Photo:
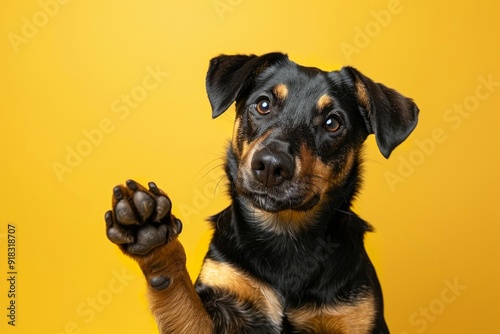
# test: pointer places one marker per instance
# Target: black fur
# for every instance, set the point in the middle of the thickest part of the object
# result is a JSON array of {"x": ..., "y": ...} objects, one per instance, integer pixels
[{"x": 230, "y": 315}]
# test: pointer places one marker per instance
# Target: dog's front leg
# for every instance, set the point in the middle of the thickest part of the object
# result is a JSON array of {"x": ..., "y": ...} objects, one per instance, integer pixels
[{"x": 142, "y": 225}]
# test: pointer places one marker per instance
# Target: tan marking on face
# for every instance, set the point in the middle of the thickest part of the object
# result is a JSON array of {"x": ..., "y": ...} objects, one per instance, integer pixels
[
  {"x": 311, "y": 168},
  {"x": 244, "y": 149},
  {"x": 347, "y": 166},
  {"x": 236, "y": 130},
  {"x": 224, "y": 276},
  {"x": 324, "y": 101},
  {"x": 281, "y": 91},
  {"x": 247, "y": 152},
  {"x": 363, "y": 97},
  {"x": 247, "y": 148},
  {"x": 357, "y": 318},
  {"x": 320, "y": 174}
]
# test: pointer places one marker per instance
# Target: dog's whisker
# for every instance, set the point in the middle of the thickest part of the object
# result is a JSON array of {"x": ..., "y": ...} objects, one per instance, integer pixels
[
  {"x": 377, "y": 162},
  {"x": 218, "y": 183},
  {"x": 346, "y": 212},
  {"x": 210, "y": 171},
  {"x": 219, "y": 159},
  {"x": 314, "y": 185},
  {"x": 322, "y": 178},
  {"x": 228, "y": 117}
]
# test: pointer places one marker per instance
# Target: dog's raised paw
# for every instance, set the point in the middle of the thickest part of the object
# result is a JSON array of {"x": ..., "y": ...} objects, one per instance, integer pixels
[{"x": 141, "y": 218}]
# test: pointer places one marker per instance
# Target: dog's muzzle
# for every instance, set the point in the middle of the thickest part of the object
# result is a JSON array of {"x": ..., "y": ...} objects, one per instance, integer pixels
[{"x": 270, "y": 181}]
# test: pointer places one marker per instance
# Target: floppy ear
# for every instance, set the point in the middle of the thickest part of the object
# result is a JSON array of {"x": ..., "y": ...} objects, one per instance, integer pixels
[
  {"x": 229, "y": 76},
  {"x": 388, "y": 114}
]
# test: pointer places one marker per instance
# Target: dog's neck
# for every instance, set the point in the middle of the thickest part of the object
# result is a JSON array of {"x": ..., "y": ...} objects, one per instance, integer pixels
[{"x": 290, "y": 222}]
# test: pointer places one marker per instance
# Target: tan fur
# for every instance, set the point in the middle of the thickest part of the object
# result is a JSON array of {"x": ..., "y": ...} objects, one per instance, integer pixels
[
  {"x": 345, "y": 319},
  {"x": 346, "y": 167},
  {"x": 245, "y": 148},
  {"x": 234, "y": 141},
  {"x": 226, "y": 277},
  {"x": 281, "y": 91},
  {"x": 324, "y": 102},
  {"x": 363, "y": 98},
  {"x": 310, "y": 167},
  {"x": 178, "y": 308},
  {"x": 284, "y": 222},
  {"x": 248, "y": 151}
]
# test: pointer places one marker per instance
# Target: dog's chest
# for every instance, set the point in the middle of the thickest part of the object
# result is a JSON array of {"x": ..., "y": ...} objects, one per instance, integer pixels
[
  {"x": 354, "y": 318},
  {"x": 261, "y": 298}
]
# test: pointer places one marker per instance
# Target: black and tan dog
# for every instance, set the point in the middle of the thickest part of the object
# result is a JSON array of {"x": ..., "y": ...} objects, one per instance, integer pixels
[{"x": 287, "y": 255}]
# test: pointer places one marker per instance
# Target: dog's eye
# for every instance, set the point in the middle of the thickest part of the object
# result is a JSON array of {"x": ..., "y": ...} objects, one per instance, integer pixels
[
  {"x": 263, "y": 106},
  {"x": 332, "y": 124}
]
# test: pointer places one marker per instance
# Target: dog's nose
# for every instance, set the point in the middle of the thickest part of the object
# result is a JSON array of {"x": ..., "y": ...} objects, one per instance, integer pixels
[{"x": 271, "y": 167}]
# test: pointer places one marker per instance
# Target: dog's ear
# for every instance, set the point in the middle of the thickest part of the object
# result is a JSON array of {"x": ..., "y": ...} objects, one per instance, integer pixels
[
  {"x": 388, "y": 114},
  {"x": 229, "y": 76}
]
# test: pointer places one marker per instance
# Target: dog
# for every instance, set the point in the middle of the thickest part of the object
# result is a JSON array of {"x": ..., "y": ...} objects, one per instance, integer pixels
[{"x": 287, "y": 255}]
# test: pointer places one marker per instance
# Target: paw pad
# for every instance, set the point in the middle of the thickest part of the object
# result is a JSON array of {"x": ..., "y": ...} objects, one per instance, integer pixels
[
  {"x": 159, "y": 282},
  {"x": 141, "y": 218}
]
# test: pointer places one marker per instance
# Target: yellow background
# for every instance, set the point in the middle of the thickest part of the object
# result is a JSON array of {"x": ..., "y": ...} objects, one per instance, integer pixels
[{"x": 437, "y": 225}]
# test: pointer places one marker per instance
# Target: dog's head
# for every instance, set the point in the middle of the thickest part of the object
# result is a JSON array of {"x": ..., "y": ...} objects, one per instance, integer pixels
[{"x": 299, "y": 130}]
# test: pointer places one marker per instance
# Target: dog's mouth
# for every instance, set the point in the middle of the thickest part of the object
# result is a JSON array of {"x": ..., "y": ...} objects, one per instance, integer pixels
[{"x": 288, "y": 197}]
